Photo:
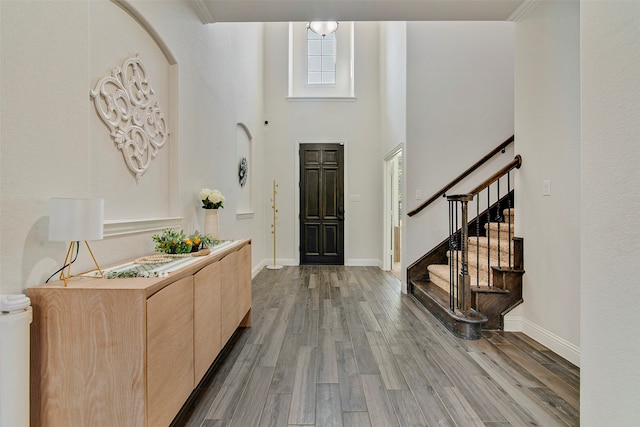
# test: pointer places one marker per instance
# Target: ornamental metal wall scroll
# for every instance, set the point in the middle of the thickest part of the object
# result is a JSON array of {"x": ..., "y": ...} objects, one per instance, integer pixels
[
  {"x": 243, "y": 172},
  {"x": 127, "y": 104}
]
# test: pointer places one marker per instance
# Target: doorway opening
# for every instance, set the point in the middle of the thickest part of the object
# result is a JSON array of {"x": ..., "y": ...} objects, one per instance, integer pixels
[{"x": 393, "y": 213}]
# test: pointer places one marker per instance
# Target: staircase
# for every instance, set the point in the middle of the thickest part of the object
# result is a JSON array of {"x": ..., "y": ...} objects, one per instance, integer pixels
[
  {"x": 472, "y": 279},
  {"x": 495, "y": 281}
]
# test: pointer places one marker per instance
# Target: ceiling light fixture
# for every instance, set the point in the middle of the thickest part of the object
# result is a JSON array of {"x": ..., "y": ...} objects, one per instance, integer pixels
[{"x": 323, "y": 28}]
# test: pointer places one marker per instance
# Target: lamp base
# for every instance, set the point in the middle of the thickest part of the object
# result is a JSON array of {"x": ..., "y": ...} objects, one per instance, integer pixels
[
  {"x": 65, "y": 274},
  {"x": 274, "y": 267}
]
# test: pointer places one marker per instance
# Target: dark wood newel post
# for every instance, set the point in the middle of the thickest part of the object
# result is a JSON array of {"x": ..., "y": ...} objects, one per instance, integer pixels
[{"x": 464, "y": 281}]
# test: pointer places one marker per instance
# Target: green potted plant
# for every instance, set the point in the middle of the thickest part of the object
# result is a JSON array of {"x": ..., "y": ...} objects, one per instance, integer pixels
[{"x": 172, "y": 242}]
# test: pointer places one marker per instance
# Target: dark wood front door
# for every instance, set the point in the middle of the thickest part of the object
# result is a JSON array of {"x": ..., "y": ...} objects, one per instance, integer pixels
[{"x": 322, "y": 204}]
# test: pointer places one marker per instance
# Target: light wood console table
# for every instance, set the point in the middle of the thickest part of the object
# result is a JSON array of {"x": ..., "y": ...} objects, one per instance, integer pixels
[{"x": 129, "y": 352}]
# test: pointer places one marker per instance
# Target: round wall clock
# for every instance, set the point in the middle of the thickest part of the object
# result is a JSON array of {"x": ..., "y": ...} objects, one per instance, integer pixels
[{"x": 243, "y": 171}]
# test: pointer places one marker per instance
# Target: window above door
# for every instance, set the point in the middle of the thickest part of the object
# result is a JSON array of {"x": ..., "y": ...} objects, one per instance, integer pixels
[{"x": 321, "y": 67}]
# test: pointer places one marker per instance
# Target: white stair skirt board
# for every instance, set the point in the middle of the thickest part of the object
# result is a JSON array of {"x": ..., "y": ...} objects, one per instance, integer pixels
[{"x": 555, "y": 343}]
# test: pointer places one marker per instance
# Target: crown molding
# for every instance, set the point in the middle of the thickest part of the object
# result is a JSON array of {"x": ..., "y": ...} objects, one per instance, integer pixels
[
  {"x": 524, "y": 10},
  {"x": 202, "y": 11}
]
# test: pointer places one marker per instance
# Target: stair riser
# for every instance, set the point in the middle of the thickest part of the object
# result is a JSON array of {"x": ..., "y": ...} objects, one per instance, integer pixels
[
  {"x": 504, "y": 237},
  {"x": 492, "y": 242},
  {"x": 442, "y": 280},
  {"x": 485, "y": 274},
  {"x": 482, "y": 256}
]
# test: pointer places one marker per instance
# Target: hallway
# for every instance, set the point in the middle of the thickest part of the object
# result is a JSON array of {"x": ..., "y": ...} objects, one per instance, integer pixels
[{"x": 342, "y": 346}]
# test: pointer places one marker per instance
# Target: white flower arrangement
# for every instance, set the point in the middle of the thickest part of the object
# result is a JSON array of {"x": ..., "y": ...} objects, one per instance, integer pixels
[{"x": 211, "y": 199}]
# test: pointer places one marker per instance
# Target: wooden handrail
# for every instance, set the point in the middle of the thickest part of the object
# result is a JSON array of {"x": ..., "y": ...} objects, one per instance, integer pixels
[
  {"x": 515, "y": 163},
  {"x": 462, "y": 176}
]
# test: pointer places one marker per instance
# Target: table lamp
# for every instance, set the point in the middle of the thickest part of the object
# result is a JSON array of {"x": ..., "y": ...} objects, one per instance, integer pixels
[{"x": 75, "y": 220}]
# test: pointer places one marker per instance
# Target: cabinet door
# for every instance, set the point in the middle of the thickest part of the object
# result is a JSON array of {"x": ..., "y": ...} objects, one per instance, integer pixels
[
  {"x": 206, "y": 318},
  {"x": 169, "y": 351},
  {"x": 229, "y": 295},
  {"x": 244, "y": 283}
]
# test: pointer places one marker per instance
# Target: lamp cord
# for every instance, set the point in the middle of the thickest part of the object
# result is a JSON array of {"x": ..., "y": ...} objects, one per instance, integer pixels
[{"x": 66, "y": 265}]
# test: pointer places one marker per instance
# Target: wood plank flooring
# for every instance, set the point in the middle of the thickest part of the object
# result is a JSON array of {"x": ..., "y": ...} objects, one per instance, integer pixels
[{"x": 341, "y": 346}]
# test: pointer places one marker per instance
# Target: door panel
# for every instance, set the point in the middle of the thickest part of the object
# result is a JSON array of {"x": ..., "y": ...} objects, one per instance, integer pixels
[{"x": 322, "y": 204}]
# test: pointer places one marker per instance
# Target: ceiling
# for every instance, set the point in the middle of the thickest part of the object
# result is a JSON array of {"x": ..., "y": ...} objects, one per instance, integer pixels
[{"x": 211, "y": 11}]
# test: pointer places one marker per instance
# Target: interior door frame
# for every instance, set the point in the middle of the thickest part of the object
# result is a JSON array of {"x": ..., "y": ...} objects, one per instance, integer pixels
[
  {"x": 297, "y": 145},
  {"x": 387, "y": 218}
]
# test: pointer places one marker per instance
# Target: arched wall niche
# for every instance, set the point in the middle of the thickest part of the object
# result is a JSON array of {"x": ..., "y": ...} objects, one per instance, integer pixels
[
  {"x": 149, "y": 203},
  {"x": 244, "y": 147}
]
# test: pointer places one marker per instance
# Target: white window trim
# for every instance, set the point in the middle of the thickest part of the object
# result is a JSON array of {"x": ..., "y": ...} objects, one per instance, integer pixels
[{"x": 298, "y": 88}]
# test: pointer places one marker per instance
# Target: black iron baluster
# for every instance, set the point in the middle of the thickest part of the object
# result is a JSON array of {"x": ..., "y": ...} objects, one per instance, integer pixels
[
  {"x": 488, "y": 226},
  {"x": 477, "y": 241},
  {"x": 451, "y": 246},
  {"x": 498, "y": 219},
  {"x": 509, "y": 206}
]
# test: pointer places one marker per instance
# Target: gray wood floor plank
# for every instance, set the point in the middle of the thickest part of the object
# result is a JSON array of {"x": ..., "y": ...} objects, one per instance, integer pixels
[
  {"x": 262, "y": 331},
  {"x": 356, "y": 419},
  {"x": 351, "y": 391},
  {"x": 561, "y": 388},
  {"x": 227, "y": 399},
  {"x": 335, "y": 345},
  {"x": 284, "y": 374},
  {"x": 391, "y": 375},
  {"x": 328, "y": 409},
  {"x": 513, "y": 413},
  {"x": 406, "y": 408},
  {"x": 522, "y": 395},
  {"x": 325, "y": 320},
  {"x": 367, "y": 317},
  {"x": 472, "y": 393},
  {"x": 303, "y": 397},
  {"x": 327, "y": 358},
  {"x": 339, "y": 325},
  {"x": 558, "y": 406},
  {"x": 310, "y": 330},
  {"x": 431, "y": 406},
  {"x": 460, "y": 410},
  {"x": 427, "y": 364},
  {"x": 501, "y": 361},
  {"x": 250, "y": 406},
  {"x": 276, "y": 410},
  {"x": 381, "y": 412},
  {"x": 367, "y": 363}
]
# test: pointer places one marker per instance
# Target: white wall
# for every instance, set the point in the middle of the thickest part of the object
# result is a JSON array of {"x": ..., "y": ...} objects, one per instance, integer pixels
[
  {"x": 610, "y": 240},
  {"x": 459, "y": 107},
  {"x": 50, "y": 52},
  {"x": 393, "y": 85},
  {"x": 547, "y": 124},
  {"x": 353, "y": 121}
]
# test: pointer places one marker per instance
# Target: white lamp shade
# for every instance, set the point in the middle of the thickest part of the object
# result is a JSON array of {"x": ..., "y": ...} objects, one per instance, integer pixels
[
  {"x": 74, "y": 220},
  {"x": 323, "y": 27}
]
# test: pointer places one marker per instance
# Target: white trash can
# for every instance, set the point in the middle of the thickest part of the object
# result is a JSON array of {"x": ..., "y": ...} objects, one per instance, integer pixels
[{"x": 15, "y": 318}]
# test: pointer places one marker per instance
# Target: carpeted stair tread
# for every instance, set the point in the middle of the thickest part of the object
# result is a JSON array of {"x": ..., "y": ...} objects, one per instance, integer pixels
[
  {"x": 502, "y": 226},
  {"x": 484, "y": 242}
]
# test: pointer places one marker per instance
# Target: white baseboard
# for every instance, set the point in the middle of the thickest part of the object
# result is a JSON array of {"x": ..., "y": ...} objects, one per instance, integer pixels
[
  {"x": 257, "y": 269},
  {"x": 269, "y": 261},
  {"x": 557, "y": 344},
  {"x": 357, "y": 262},
  {"x": 363, "y": 262}
]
